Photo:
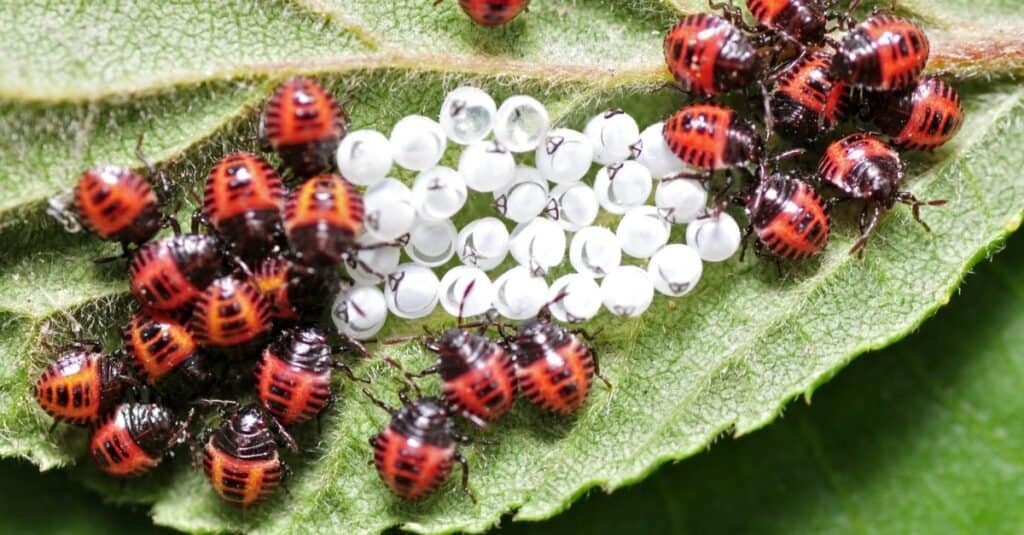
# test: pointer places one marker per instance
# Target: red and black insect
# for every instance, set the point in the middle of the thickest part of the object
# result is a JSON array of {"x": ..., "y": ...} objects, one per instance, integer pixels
[
  {"x": 554, "y": 367},
  {"x": 712, "y": 137},
  {"x": 293, "y": 377},
  {"x": 788, "y": 216},
  {"x": 862, "y": 166},
  {"x": 920, "y": 118},
  {"x": 807, "y": 101},
  {"x": 133, "y": 438},
  {"x": 492, "y": 12},
  {"x": 118, "y": 204},
  {"x": 230, "y": 313},
  {"x": 799, "y": 21},
  {"x": 882, "y": 53},
  {"x": 82, "y": 384},
  {"x": 159, "y": 346},
  {"x": 707, "y": 55},
  {"x": 241, "y": 458},
  {"x": 169, "y": 274},
  {"x": 293, "y": 291},
  {"x": 478, "y": 378},
  {"x": 303, "y": 124},
  {"x": 243, "y": 201},
  {"x": 415, "y": 453},
  {"x": 323, "y": 219}
]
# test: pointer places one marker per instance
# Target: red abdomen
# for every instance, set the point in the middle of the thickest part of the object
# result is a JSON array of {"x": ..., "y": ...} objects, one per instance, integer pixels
[
  {"x": 115, "y": 451},
  {"x": 493, "y": 12},
  {"x": 840, "y": 164},
  {"x": 560, "y": 380},
  {"x": 323, "y": 218},
  {"x": 411, "y": 471},
  {"x": 807, "y": 100},
  {"x": 117, "y": 204},
  {"x": 486, "y": 389},
  {"x": 157, "y": 344},
  {"x": 243, "y": 200},
  {"x": 303, "y": 124},
  {"x": 71, "y": 389},
  {"x": 704, "y": 136},
  {"x": 291, "y": 393},
  {"x": 169, "y": 274},
  {"x": 244, "y": 482},
  {"x": 707, "y": 55},
  {"x": 801, "y": 227},
  {"x": 884, "y": 52},
  {"x": 923, "y": 118},
  {"x": 802, "y": 20},
  {"x": 228, "y": 313}
]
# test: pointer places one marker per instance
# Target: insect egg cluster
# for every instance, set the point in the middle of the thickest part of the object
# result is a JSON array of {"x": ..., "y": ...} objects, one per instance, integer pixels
[{"x": 288, "y": 270}]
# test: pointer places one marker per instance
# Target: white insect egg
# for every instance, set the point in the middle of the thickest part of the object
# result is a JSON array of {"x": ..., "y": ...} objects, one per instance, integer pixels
[
  {"x": 627, "y": 291},
  {"x": 439, "y": 193},
  {"x": 654, "y": 154},
  {"x": 715, "y": 238},
  {"x": 519, "y": 294},
  {"x": 417, "y": 142},
  {"x": 411, "y": 291},
  {"x": 487, "y": 166},
  {"x": 467, "y": 115},
  {"x": 614, "y": 135},
  {"x": 594, "y": 251},
  {"x": 526, "y": 197},
  {"x": 467, "y": 290},
  {"x": 483, "y": 243},
  {"x": 364, "y": 157},
  {"x": 574, "y": 298},
  {"x": 675, "y": 269},
  {"x": 564, "y": 156},
  {"x": 389, "y": 209},
  {"x": 681, "y": 200},
  {"x": 360, "y": 312},
  {"x": 521, "y": 123},
  {"x": 622, "y": 185}
]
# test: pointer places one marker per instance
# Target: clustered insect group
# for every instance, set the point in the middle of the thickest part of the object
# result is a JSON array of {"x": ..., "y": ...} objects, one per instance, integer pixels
[
  {"x": 876, "y": 67},
  {"x": 204, "y": 313},
  {"x": 232, "y": 312}
]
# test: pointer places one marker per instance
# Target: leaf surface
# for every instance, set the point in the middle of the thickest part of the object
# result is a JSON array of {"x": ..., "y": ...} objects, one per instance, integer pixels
[{"x": 725, "y": 359}]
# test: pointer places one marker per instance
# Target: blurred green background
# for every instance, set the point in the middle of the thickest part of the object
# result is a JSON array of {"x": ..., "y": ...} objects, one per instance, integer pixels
[{"x": 924, "y": 436}]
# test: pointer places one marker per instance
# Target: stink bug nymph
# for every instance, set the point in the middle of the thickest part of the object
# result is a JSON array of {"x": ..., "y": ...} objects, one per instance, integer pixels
[
  {"x": 862, "y": 166},
  {"x": 303, "y": 124},
  {"x": 82, "y": 384},
  {"x": 415, "y": 453},
  {"x": 133, "y": 438},
  {"x": 707, "y": 55}
]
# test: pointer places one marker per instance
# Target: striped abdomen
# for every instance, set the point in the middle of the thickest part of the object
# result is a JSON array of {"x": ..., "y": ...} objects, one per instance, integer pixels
[
  {"x": 80, "y": 386},
  {"x": 922, "y": 118},
  {"x": 303, "y": 124},
  {"x": 243, "y": 200},
  {"x": 169, "y": 274},
  {"x": 411, "y": 471},
  {"x": 293, "y": 394},
  {"x": 707, "y": 55},
  {"x": 117, "y": 204},
  {"x": 485, "y": 387},
  {"x": 323, "y": 218},
  {"x": 244, "y": 482},
  {"x": 790, "y": 219},
  {"x": 709, "y": 137},
  {"x": 157, "y": 344},
  {"x": 132, "y": 439},
  {"x": 807, "y": 100},
  {"x": 884, "y": 52},
  {"x": 559, "y": 379},
  {"x": 862, "y": 166},
  {"x": 228, "y": 313}
]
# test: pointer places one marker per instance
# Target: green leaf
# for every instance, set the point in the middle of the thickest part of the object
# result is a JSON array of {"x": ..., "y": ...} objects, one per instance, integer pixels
[
  {"x": 726, "y": 359},
  {"x": 924, "y": 437}
]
